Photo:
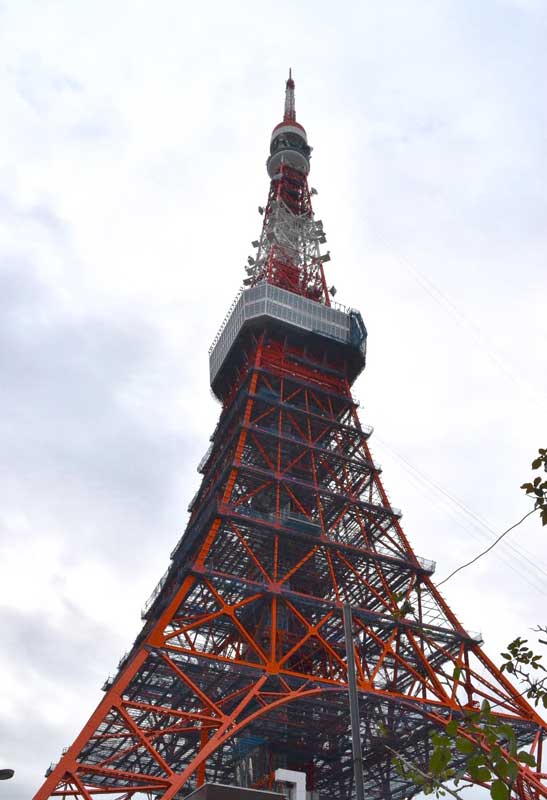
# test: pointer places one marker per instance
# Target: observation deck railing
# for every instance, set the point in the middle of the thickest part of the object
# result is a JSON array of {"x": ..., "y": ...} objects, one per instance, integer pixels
[
  {"x": 334, "y": 305},
  {"x": 159, "y": 586},
  {"x": 335, "y": 322},
  {"x": 426, "y": 564}
]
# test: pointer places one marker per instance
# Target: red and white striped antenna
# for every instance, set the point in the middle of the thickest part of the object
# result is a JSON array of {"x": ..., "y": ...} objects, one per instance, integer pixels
[{"x": 290, "y": 112}]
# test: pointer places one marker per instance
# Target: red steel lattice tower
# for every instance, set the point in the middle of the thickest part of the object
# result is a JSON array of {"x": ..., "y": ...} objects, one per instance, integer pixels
[{"x": 241, "y": 667}]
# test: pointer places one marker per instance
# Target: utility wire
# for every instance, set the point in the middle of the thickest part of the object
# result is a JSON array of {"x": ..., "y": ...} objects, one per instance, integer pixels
[
  {"x": 418, "y": 476},
  {"x": 438, "y": 296},
  {"x": 530, "y": 574},
  {"x": 484, "y": 552}
]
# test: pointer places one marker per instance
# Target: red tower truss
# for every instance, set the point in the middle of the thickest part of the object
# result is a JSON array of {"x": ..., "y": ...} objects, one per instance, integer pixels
[{"x": 241, "y": 667}]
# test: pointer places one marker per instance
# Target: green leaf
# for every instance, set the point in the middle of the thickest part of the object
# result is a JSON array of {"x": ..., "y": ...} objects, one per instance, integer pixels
[
  {"x": 495, "y": 752},
  {"x": 526, "y": 758},
  {"x": 491, "y": 736},
  {"x": 464, "y": 745},
  {"x": 512, "y": 770},
  {"x": 482, "y": 774},
  {"x": 436, "y": 762},
  {"x": 499, "y": 791},
  {"x": 477, "y": 759},
  {"x": 506, "y": 731},
  {"x": 502, "y": 768},
  {"x": 452, "y": 728},
  {"x": 457, "y": 672},
  {"x": 536, "y": 463}
]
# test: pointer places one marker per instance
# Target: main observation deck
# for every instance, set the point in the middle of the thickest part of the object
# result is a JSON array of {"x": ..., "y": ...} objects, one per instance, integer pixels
[{"x": 265, "y": 303}]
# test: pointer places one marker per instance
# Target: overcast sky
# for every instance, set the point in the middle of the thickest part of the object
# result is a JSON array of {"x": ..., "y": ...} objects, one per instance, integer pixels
[{"x": 132, "y": 151}]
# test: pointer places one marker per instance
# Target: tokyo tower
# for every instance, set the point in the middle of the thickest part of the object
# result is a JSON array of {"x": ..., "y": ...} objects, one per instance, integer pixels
[{"x": 240, "y": 673}]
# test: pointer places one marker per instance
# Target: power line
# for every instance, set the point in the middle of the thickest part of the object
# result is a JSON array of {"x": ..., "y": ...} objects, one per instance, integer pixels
[
  {"x": 527, "y": 574},
  {"x": 484, "y": 552},
  {"x": 438, "y": 296},
  {"x": 421, "y": 476}
]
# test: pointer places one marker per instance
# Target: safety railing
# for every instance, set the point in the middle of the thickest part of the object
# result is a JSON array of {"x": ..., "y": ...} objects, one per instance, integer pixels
[
  {"x": 149, "y": 603},
  {"x": 280, "y": 304},
  {"x": 426, "y": 564}
]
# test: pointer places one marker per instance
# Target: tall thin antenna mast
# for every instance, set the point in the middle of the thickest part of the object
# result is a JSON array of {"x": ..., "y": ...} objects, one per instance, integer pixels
[{"x": 290, "y": 112}]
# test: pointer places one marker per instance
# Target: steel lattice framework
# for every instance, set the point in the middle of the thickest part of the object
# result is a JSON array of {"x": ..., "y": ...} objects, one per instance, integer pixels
[{"x": 241, "y": 664}]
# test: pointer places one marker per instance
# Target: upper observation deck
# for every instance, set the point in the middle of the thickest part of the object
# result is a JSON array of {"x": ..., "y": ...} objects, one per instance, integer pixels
[{"x": 265, "y": 303}]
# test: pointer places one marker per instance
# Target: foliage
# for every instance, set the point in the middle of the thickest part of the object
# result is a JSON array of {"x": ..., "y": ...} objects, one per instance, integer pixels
[
  {"x": 484, "y": 748},
  {"x": 404, "y": 606},
  {"x": 538, "y": 487},
  {"x": 518, "y": 656}
]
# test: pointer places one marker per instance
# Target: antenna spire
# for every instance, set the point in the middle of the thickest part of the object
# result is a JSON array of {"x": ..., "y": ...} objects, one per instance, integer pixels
[{"x": 290, "y": 113}]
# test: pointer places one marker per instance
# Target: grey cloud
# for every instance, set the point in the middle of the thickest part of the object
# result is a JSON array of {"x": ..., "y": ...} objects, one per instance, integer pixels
[
  {"x": 82, "y": 465},
  {"x": 38, "y": 84},
  {"x": 13, "y": 214},
  {"x": 63, "y": 419},
  {"x": 39, "y": 653}
]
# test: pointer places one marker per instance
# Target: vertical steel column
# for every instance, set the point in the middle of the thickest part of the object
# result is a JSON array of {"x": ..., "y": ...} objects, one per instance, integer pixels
[{"x": 353, "y": 707}]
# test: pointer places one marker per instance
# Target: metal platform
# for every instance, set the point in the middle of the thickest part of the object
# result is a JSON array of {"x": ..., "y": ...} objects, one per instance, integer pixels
[{"x": 265, "y": 301}]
